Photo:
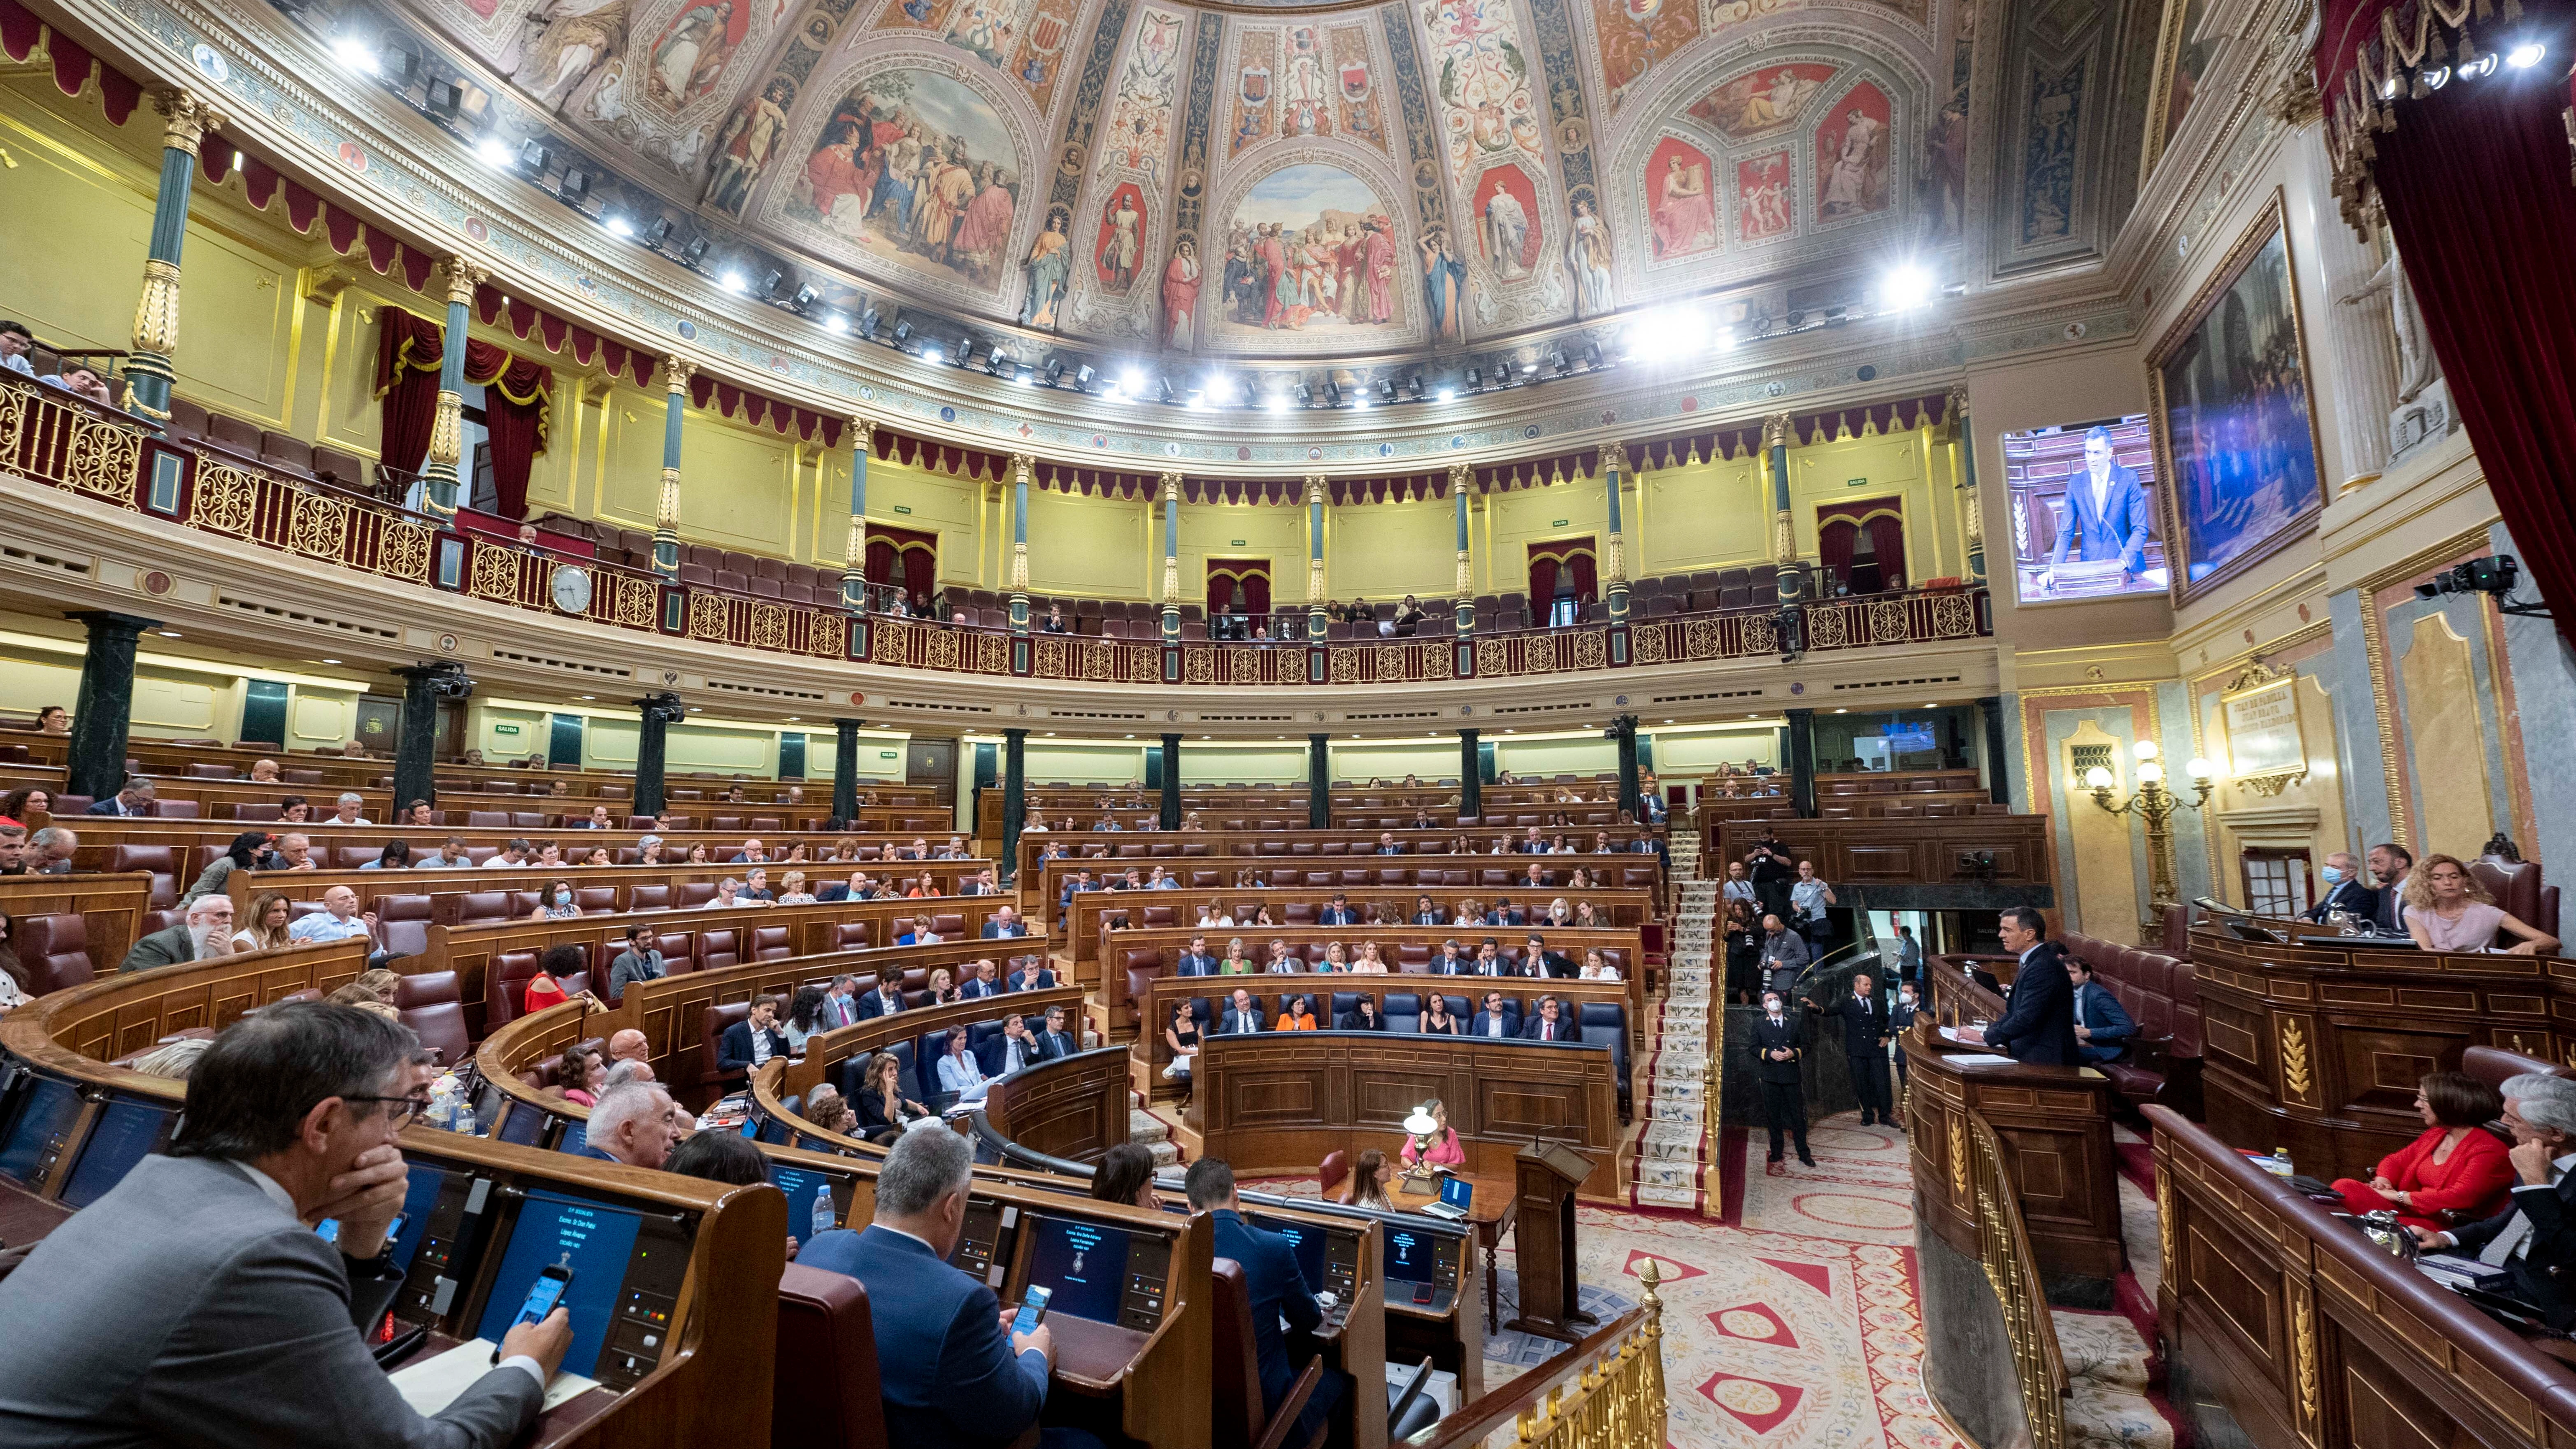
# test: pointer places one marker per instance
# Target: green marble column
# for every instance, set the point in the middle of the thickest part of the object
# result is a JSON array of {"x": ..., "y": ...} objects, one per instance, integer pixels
[
  {"x": 185, "y": 121},
  {"x": 105, "y": 705},
  {"x": 666, "y": 509}
]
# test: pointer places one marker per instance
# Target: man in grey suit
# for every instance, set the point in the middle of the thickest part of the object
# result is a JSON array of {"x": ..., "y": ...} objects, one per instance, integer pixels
[
  {"x": 207, "y": 931},
  {"x": 2107, "y": 516},
  {"x": 195, "y": 1304}
]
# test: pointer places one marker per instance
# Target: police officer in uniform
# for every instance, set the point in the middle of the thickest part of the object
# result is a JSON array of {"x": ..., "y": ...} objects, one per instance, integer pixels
[{"x": 1778, "y": 1042}]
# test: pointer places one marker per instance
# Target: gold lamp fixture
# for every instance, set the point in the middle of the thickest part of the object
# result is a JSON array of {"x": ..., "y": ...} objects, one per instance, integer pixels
[{"x": 2155, "y": 803}]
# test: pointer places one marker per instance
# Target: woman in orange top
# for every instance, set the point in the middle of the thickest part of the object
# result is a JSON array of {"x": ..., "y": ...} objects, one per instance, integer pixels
[
  {"x": 2457, "y": 1168},
  {"x": 1297, "y": 1017}
]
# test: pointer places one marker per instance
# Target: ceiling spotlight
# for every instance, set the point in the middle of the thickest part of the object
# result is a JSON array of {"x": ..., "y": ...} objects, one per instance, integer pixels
[
  {"x": 1082, "y": 377},
  {"x": 1386, "y": 390},
  {"x": 1024, "y": 377},
  {"x": 735, "y": 282},
  {"x": 656, "y": 232},
  {"x": 1413, "y": 387},
  {"x": 1279, "y": 402},
  {"x": 2438, "y": 77},
  {"x": 963, "y": 352},
  {"x": 1837, "y": 315},
  {"x": 532, "y": 157},
  {"x": 902, "y": 332},
  {"x": 868, "y": 324},
  {"x": 1164, "y": 389},
  {"x": 394, "y": 64},
  {"x": 1591, "y": 356},
  {"x": 1722, "y": 340},
  {"x": 1906, "y": 287},
  {"x": 1503, "y": 373},
  {"x": 997, "y": 363},
  {"x": 1055, "y": 372},
  {"x": 1332, "y": 393},
  {"x": 1132, "y": 380},
  {"x": 2479, "y": 68},
  {"x": 1359, "y": 400},
  {"x": 1797, "y": 318},
  {"x": 1475, "y": 379},
  {"x": 770, "y": 281},
  {"x": 1304, "y": 393},
  {"x": 804, "y": 298},
  {"x": 493, "y": 151},
  {"x": 442, "y": 100},
  {"x": 834, "y": 320},
  {"x": 354, "y": 53},
  {"x": 1563, "y": 364},
  {"x": 620, "y": 228},
  {"x": 2521, "y": 57},
  {"x": 574, "y": 186},
  {"x": 694, "y": 254},
  {"x": 1447, "y": 394}
]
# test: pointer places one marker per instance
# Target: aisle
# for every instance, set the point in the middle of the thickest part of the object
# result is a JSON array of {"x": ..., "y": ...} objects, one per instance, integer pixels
[{"x": 1676, "y": 1162}]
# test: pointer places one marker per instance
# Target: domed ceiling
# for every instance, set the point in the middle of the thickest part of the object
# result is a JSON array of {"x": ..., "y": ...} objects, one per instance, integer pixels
[{"x": 1223, "y": 180}]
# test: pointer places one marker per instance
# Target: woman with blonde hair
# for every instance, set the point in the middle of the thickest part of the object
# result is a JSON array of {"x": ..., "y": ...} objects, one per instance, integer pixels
[
  {"x": 1369, "y": 962},
  {"x": 2447, "y": 910},
  {"x": 941, "y": 991},
  {"x": 265, "y": 924}
]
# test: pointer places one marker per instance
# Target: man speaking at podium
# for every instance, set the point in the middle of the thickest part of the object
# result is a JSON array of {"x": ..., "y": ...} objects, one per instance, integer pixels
[{"x": 195, "y": 1304}]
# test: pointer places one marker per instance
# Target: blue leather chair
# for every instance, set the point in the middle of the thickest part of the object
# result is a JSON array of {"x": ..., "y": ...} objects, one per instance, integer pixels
[{"x": 1403, "y": 1010}]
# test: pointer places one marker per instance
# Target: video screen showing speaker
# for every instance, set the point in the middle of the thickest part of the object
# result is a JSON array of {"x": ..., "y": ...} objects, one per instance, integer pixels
[
  {"x": 2086, "y": 519},
  {"x": 125, "y": 1133}
]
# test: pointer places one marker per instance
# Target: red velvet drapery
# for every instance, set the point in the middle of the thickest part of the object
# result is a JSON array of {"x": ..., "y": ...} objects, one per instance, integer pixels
[
  {"x": 1245, "y": 582},
  {"x": 1839, "y": 526},
  {"x": 906, "y": 559},
  {"x": 1572, "y": 556},
  {"x": 517, "y": 401}
]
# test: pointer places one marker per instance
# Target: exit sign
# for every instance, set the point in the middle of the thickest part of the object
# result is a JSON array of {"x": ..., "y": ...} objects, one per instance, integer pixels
[
  {"x": 885, "y": 754},
  {"x": 502, "y": 729},
  {"x": 1559, "y": 522},
  {"x": 1855, "y": 483},
  {"x": 1234, "y": 543},
  {"x": 900, "y": 508}
]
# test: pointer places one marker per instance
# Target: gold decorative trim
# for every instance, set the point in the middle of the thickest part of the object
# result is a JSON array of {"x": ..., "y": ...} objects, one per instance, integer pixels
[
  {"x": 185, "y": 119},
  {"x": 462, "y": 278},
  {"x": 2303, "y": 1319},
  {"x": 156, "y": 315},
  {"x": 2171, "y": 1271},
  {"x": 676, "y": 372},
  {"x": 2296, "y": 1080}
]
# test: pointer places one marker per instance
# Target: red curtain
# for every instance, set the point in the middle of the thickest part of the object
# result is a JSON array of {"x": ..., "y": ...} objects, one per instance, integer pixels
[
  {"x": 517, "y": 402},
  {"x": 1244, "y": 581},
  {"x": 1839, "y": 526},
  {"x": 1571, "y": 556},
  {"x": 2475, "y": 178},
  {"x": 904, "y": 558}
]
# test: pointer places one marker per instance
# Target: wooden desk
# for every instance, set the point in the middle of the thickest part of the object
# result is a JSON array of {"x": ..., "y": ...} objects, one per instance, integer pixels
[
  {"x": 1176, "y": 849},
  {"x": 2055, "y": 1125},
  {"x": 1930, "y": 852},
  {"x": 1623, "y": 949}
]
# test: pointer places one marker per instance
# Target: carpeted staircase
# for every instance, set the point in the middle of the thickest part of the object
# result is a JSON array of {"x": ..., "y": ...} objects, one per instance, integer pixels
[
  {"x": 1152, "y": 1133},
  {"x": 1675, "y": 1162},
  {"x": 2107, "y": 1374}
]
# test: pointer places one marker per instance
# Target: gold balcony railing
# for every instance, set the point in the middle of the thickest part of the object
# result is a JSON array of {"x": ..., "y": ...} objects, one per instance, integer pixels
[
  {"x": 2039, "y": 1369},
  {"x": 1606, "y": 1392}
]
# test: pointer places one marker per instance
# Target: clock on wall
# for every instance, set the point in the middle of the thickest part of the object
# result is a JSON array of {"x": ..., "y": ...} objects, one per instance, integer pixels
[{"x": 572, "y": 589}]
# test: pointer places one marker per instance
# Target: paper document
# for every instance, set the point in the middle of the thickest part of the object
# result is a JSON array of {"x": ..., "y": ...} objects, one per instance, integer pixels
[
  {"x": 431, "y": 1384},
  {"x": 1967, "y": 1035},
  {"x": 1978, "y": 1059}
]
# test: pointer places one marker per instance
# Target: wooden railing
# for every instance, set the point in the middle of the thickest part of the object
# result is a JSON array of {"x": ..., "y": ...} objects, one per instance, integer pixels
[
  {"x": 1606, "y": 1392},
  {"x": 53, "y": 438},
  {"x": 2039, "y": 1369}
]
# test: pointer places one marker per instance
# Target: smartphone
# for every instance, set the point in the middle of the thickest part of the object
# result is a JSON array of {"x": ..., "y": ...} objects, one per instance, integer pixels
[
  {"x": 1033, "y": 1306},
  {"x": 543, "y": 1296},
  {"x": 1421, "y": 1292},
  {"x": 329, "y": 1228}
]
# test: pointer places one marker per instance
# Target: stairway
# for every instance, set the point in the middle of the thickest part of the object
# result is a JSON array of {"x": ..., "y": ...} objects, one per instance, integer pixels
[
  {"x": 1151, "y": 1133},
  {"x": 1676, "y": 1157},
  {"x": 2108, "y": 1376}
]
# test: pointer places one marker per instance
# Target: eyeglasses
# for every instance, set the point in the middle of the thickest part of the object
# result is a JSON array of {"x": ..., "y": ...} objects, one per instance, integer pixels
[{"x": 411, "y": 1109}]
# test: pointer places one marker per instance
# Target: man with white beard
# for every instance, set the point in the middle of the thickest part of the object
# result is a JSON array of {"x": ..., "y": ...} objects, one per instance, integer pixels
[{"x": 207, "y": 931}]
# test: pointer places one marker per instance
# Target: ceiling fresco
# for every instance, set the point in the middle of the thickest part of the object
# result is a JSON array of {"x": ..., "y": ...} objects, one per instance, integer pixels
[{"x": 1158, "y": 178}]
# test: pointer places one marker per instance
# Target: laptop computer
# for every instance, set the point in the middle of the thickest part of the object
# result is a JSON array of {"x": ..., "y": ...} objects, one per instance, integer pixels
[{"x": 1456, "y": 1195}]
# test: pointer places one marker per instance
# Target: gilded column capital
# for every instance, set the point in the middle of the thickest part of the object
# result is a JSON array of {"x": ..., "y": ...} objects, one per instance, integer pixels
[
  {"x": 185, "y": 119},
  {"x": 1776, "y": 432},
  {"x": 863, "y": 433},
  {"x": 1614, "y": 458},
  {"x": 462, "y": 278},
  {"x": 1462, "y": 477},
  {"x": 1172, "y": 487},
  {"x": 1314, "y": 488},
  {"x": 1023, "y": 469},
  {"x": 676, "y": 371},
  {"x": 1959, "y": 401}
]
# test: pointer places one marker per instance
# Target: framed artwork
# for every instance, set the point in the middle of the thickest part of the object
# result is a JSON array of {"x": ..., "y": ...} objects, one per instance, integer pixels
[{"x": 2236, "y": 436}]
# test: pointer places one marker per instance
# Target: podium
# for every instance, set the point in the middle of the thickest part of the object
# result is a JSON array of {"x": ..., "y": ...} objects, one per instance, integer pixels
[{"x": 1545, "y": 1175}]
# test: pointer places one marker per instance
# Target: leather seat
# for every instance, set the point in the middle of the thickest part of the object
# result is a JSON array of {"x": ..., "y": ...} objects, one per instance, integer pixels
[
  {"x": 505, "y": 988},
  {"x": 157, "y": 859},
  {"x": 711, "y": 1029},
  {"x": 406, "y": 923},
  {"x": 824, "y": 1391},
  {"x": 430, "y": 1007},
  {"x": 1236, "y": 1391},
  {"x": 54, "y": 952},
  {"x": 2161, "y": 994}
]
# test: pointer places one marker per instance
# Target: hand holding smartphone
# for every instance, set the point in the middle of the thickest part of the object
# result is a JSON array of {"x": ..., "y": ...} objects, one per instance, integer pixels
[
  {"x": 1033, "y": 1307},
  {"x": 544, "y": 1296}
]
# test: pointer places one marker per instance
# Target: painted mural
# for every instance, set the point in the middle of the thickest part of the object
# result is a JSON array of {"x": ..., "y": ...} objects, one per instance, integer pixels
[
  {"x": 2189, "y": 62},
  {"x": 1256, "y": 67},
  {"x": 2233, "y": 392},
  {"x": 912, "y": 165},
  {"x": 1590, "y": 260},
  {"x": 1762, "y": 100},
  {"x": 1852, "y": 155},
  {"x": 1507, "y": 230},
  {"x": 1310, "y": 248},
  {"x": 1138, "y": 137},
  {"x": 1765, "y": 197},
  {"x": 1355, "y": 87},
  {"x": 2048, "y": 153},
  {"x": 693, "y": 50},
  {"x": 1482, "y": 79},
  {"x": 1681, "y": 200},
  {"x": 1635, "y": 35},
  {"x": 746, "y": 146},
  {"x": 1119, "y": 249},
  {"x": 1023, "y": 39}
]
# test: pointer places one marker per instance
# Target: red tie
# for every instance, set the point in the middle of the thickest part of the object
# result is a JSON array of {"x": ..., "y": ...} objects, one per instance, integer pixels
[{"x": 1547, "y": 1031}]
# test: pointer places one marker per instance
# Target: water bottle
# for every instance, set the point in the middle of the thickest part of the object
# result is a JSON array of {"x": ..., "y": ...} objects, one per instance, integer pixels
[{"x": 824, "y": 1218}]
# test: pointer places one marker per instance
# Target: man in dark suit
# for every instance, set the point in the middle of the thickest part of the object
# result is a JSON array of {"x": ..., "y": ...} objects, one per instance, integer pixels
[
  {"x": 1451, "y": 961},
  {"x": 1339, "y": 913},
  {"x": 1005, "y": 923},
  {"x": 1014, "y": 1049},
  {"x": 1778, "y": 1042},
  {"x": 2535, "y": 1239},
  {"x": 1507, "y": 914},
  {"x": 2039, "y": 1016},
  {"x": 2107, "y": 516},
  {"x": 1057, "y": 1040},
  {"x": 1540, "y": 961},
  {"x": 1388, "y": 845},
  {"x": 1489, "y": 959},
  {"x": 1550, "y": 1024},
  {"x": 1277, "y": 1289},
  {"x": 134, "y": 799},
  {"x": 1866, "y": 1027},
  {"x": 1032, "y": 975},
  {"x": 1498, "y": 1019},
  {"x": 194, "y": 1303},
  {"x": 2102, "y": 1024},
  {"x": 753, "y": 1040},
  {"x": 1424, "y": 912},
  {"x": 948, "y": 1368},
  {"x": 886, "y": 1000},
  {"x": 982, "y": 984},
  {"x": 2347, "y": 890},
  {"x": 1242, "y": 1016},
  {"x": 1196, "y": 961}
]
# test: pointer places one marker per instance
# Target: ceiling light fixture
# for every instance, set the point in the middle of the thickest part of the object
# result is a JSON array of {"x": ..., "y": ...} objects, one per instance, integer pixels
[
  {"x": 354, "y": 53},
  {"x": 1447, "y": 394},
  {"x": 1906, "y": 287},
  {"x": 2521, "y": 57},
  {"x": 620, "y": 228},
  {"x": 493, "y": 151}
]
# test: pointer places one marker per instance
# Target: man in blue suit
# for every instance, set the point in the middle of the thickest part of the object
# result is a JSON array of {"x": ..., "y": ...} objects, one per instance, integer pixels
[
  {"x": 2102, "y": 1024},
  {"x": 1339, "y": 913},
  {"x": 2039, "y": 1017},
  {"x": 1032, "y": 975},
  {"x": 1005, "y": 922},
  {"x": 1196, "y": 961},
  {"x": 1277, "y": 1289},
  {"x": 2107, "y": 516},
  {"x": 948, "y": 1367},
  {"x": 1450, "y": 961},
  {"x": 981, "y": 984},
  {"x": 2347, "y": 889}
]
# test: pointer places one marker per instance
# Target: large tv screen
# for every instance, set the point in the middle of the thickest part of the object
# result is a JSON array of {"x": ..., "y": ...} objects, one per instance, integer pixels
[{"x": 2085, "y": 515}]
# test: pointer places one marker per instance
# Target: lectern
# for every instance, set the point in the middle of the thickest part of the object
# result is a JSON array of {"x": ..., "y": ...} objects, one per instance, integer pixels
[{"x": 1545, "y": 1177}]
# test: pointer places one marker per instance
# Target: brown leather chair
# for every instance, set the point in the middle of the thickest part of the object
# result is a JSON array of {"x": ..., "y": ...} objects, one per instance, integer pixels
[
  {"x": 54, "y": 952},
  {"x": 157, "y": 859},
  {"x": 2517, "y": 889},
  {"x": 430, "y": 1007},
  {"x": 1333, "y": 1171},
  {"x": 1235, "y": 1400},
  {"x": 2492, "y": 1065},
  {"x": 825, "y": 1385},
  {"x": 406, "y": 923},
  {"x": 505, "y": 987},
  {"x": 711, "y": 1029}
]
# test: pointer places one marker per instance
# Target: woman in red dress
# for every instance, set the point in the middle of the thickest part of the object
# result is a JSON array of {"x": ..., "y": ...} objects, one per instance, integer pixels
[{"x": 2457, "y": 1167}]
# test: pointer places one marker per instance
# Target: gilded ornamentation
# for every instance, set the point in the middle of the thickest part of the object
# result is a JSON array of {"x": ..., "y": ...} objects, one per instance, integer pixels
[
  {"x": 709, "y": 618},
  {"x": 992, "y": 654},
  {"x": 1591, "y": 650},
  {"x": 635, "y": 602},
  {"x": 496, "y": 573},
  {"x": 1959, "y": 1155},
  {"x": 2303, "y": 1319},
  {"x": 2165, "y": 1223},
  {"x": 13, "y": 419},
  {"x": 829, "y": 635},
  {"x": 666, "y": 506},
  {"x": 402, "y": 552},
  {"x": 1019, "y": 567},
  {"x": 768, "y": 626},
  {"x": 1775, "y": 431},
  {"x": 1144, "y": 665},
  {"x": 447, "y": 442},
  {"x": 1647, "y": 642},
  {"x": 1492, "y": 657},
  {"x": 2294, "y": 1058},
  {"x": 226, "y": 499},
  {"x": 1247, "y": 666},
  {"x": 676, "y": 372},
  {"x": 1538, "y": 654},
  {"x": 1700, "y": 640},
  {"x": 462, "y": 278},
  {"x": 1784, "y": 538},
  {"x": 1466, "y": 576},
  {"x": 1390, "y": 663},
  {"x": 1097, "y": 662},
  {"x": 156, "y": 317},
  {"x": 1198, "y": 666},
  {"x": 1953, "y": 617},
  {"x": 185, "y": 120},
  {"x": 1825, "y": 628},
  {"x": 1344, "y": 664},
  {"x": 102, "y": 458},
  {"x": 1048, "y": 661},
  {"x": 318, "y": 527},
  {"x": 941, "y": 650},
  {"x": 1759, "y": 636},
  {"x": 1887, "y": 623}
]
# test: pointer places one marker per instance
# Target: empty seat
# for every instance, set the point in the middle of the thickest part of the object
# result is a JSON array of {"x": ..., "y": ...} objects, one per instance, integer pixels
[
  {"x": 430, "y": 1006},
  {"x": 155, "y": 859},
  {"x": 54, "y": 952}
]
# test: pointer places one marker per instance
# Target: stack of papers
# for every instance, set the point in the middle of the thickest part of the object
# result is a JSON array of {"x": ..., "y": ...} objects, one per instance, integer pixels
[{"x": 431, "y": 1384}]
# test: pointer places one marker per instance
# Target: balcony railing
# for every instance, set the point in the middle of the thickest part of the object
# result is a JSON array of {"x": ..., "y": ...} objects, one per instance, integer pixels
[{"x": 55, "y": 438}]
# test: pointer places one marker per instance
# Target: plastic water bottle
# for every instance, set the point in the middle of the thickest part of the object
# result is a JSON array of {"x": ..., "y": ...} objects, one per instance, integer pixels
[{"x": 824, "y": 1218}]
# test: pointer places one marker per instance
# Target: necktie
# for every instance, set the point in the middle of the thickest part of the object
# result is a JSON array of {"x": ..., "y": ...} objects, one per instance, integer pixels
[
  {"x": 2507, "y": 1245},
  {"x": 1547, "y": 1031}
]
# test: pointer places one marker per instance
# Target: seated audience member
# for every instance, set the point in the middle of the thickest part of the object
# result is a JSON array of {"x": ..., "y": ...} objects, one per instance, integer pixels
[
  {"x": 82, "y": 378},
  {"x": 1363, "y": 1016},
  {"x": 546, "y": 988},
  {"x": 1446, "y": 1150},
  {"x": 942, "y": 989},
  {"x": 513, "y": 856},
  {"x": 633, "y": 1123},
  {"x": 1181, "y": 1036},
  {"x": 948, "y": 1367},
  {"x": 1016, "y": 1049},
  {"x": 2446, "y": 910},
  {"x": 555, "y": 902},
  {"x": 805, "y": 1017},
  {"x": 2347, "y": 890},
  {"x": 2534, "y": 1239},
  {"x": 206, "y": 930},
  {"x": 264, "y": 924},
  {"x": 2102, "y": 1024},
  {"x": 242, "y": 853},
  {"x": 349, "y": 809},
  {"x": 1006, "y": 922},
  {"x": 1032, "y": 975},
  {"x": 49, "y": 851},
  {"x": 883, "y": 1110},
  {"x": 395, "y": 856},
  {"x": 961, "y": 1076},
  {"x": 596, "y": 820},
  {"x": 1550, "y": 1025},
  {"x": 1277, "y": 1289},
  {"x": 450, "y": 856},
  {"x": 753, "y": 1040},
  {"x": 338, "y": 920},
  {"x": 726, "y": 1157},
  {"x": 1125, "y": 1174},
  {"x": 1436, "y": 1016},
  {"x": 14, "y": 977},
  {"x": 16, "y": 342},
  {"x": 25, "y": 803},
  {"x": 638, "y": 962},
  {"x": 1294, "y": 1015},
  {"x": 2457, "y": 1171},
  {"x": 1058, "y": 1040},
  {"x": 825, "y": 1109},
  {"x": 135, "y": 798},
  {"x": 173, "y": 1060},
  {"x": 294, "y": 810},
  {"x": 1367, "y": 1187},
  {"x": 291, "y": 1118},
  {"x": 792, "y": 890},
  {"x": 417, "y": 813},
  {"x": 885, "y": 1000},
  {"x": 1596, "y": 967},
  {"x": 1242, "y": 1017},
  {"x": 584, "y": 1074}
]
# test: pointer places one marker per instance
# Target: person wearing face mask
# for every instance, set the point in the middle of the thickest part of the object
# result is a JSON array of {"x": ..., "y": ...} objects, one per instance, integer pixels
[
  {"x": 1900, "y": 1020},
  {"x": 554, "y": 903},
  {"x": 1779, "y": 1041},
  {"x": 2346, "y": 890}
]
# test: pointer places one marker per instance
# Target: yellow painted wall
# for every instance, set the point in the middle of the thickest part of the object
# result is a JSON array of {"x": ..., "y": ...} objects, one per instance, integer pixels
[
  {"x": 1090, "y": 547},
  {"x": 175, "y": 697},
  {"x": 1511, "y": 522},
  {"x": 1383, "y": 551},
  {"x": 1044, "y": 762},
  {"x": 1713, "y": 514},
  {"x": 1274, "y": 532},
  {"x": 1681, "y": 755},
  {"x": 1892, "y": 465},
  {"x": 1279, "y": 765}
]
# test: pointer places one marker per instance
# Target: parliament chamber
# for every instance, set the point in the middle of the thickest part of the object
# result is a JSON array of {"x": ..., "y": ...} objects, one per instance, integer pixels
[{"x": 1820, "y": 723}]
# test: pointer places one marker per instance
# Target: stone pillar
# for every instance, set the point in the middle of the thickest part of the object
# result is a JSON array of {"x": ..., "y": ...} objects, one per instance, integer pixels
[
  {"x": 1471, "y": 775},
  {"x": 1020, "y": 466},
  {"x": 1802, "y": 762},
  {"x": 1462, "y": 481},
  {"x": 185, "y": 121},
  {"x": 424, "y": 685},
  {"x": 1623, "y": 729},
  {"x": 1998, "y": 780},
  {"x": 1015, "y": 797},
  {"x": 1784, "y": 534},
  {"x": 854, "y": 552},
  {"x": 1171, "y": 782},
  {"x": 1319, "y": 782},
  {"x": 440, "y": 489},
  {"x": 1614, "y": 472},
  {"x": 666, "y": 512},
  {"x": 658, "y": 712},
  {"x": 105, "y": 705},
  {"x": 1972, "y": 517},
  {"x": 845, "y": 768},
  {"x": 1315, "y": 559},
  {"x": 1171, "y": 582}
]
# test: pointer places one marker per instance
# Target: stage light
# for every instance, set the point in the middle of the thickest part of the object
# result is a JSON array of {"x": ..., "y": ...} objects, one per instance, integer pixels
[
  {"x": 1475, "y": 379},
  {"x": 1413, "y": 387},
  {"x": 620, "y": 228},
  {"x": 1055, "y": 372},
  {"x": 902, "y": 332},
  {"x": 1163, "y": 386},
  {"x": 441, "y": 100},
  {"x": 354, "y": 53},
  {"x": 1082, "y": 377},
  {"x": 1906, "y": 287},
  {"x": 1503, "y": 373},
  {"x": 1279, "y": 402},
  {"x": 1305, "y": 394},
  {"x": 1386, "y": 390},
  {"x": 999, "y": 362},
  {"x": 804, "y": 298},
  {"x": 868, "y": 324},
  {"x": 1722, "y": 340},
  {"x": 1447, "y": 394},
  {"x": 1359, "y": 402},
  {"x": 1132, "y": 380},
  {"x": 963, "y": 352},
  {"x": 770, "y": 281},
  {"x": 1563, "y": 364},
  {"x": 2525, "y": 55},
  {"x": 2479, "y": 68},
  {"x": 394, "y": 64},
  {"x": 735, "y": 282},
  {"x": 493, "y": 151},
  {"x": 2436, "y": 78},
  {"x": 1332, "y": 393},
  {"x": 574, "y": 187},
  {"x": 836, "y": 321},
  {"x": 1591, "y": 356},
  {"x": 532, "y": 156},
  {"x": 658, "y": 232}
]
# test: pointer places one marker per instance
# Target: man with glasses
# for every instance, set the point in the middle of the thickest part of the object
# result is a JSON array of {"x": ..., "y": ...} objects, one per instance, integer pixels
[{"x": 195, "y": 1304}]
